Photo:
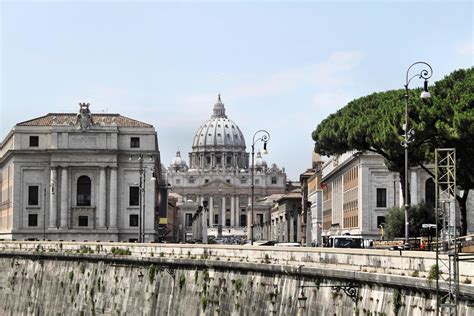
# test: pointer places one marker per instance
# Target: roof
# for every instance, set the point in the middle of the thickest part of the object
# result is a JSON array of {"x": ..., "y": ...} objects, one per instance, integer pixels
[{"x": 103, "y": 119}]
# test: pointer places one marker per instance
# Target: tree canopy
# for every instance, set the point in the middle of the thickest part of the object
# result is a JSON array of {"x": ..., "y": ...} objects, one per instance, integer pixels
[{"x": 375, "y": 123}]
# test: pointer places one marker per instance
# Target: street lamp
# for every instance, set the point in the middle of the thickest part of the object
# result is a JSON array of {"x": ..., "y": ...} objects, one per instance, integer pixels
[
  {"x": 425, "y": 74},
  {"x": 265, "y": 136},
  {"x": 141, "y": 196}
]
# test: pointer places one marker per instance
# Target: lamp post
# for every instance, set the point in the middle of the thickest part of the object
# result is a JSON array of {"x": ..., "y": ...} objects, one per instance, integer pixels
[
  {"x": 264, "y": 137},
  {"x": 141, "y": 196},
  {"x": 425, "y": 74},
  {"x": 204, "y": 222}
]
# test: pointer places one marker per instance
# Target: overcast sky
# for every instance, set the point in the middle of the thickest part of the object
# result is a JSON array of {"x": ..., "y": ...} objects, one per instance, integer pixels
[{"x": 280, "y": 66}]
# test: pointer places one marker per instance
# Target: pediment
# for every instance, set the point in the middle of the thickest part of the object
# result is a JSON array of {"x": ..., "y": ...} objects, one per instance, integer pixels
[{"x": 217, "y": 184}]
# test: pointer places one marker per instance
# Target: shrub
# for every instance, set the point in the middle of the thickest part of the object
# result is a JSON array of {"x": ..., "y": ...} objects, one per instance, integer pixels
[
  {"x": 151, "y": 273},
  {"x": 434, "y": 273},
  {"x": 182, "y": 281}
]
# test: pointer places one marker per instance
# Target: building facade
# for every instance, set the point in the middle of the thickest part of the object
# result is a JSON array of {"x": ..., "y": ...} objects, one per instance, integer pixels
[
  {"x": 219, "y": 172},
  {"x": 81, "y": 176}
]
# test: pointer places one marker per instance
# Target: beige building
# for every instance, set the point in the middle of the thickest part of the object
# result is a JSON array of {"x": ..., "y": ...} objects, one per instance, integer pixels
[
  {"x": 219, "y": 172},
  {"x": 76, "y": 176}
]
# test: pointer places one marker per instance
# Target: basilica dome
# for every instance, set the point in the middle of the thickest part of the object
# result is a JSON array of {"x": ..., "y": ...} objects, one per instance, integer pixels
[
  {"x": 178, "y": 164},
  {"x": 219, "y": 132}
]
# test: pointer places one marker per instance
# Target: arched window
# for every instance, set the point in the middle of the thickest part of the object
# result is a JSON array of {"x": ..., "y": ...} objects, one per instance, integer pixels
[
  {"x": 83, "y": 191},
  {"x": 430, "y": 192}
]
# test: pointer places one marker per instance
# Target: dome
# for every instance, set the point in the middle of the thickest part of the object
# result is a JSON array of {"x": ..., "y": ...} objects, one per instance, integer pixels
[
  {"x": 219, "y": 132},
  {"x": 178, "y": 163}
]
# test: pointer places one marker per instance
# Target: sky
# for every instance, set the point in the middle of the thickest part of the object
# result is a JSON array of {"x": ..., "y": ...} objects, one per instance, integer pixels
[{"x": 280, "y": 66}]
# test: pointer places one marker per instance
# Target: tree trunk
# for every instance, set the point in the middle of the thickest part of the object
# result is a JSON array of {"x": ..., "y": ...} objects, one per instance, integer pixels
[{"x": 463, "y": 212}]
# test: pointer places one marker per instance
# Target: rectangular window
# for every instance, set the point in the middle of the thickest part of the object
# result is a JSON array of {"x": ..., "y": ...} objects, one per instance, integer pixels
[
  {"x": 133, "y": 220},
  {"x": 33, "y": 198},
  {"x": 134, "y": 142},
  {"x": 206, "y": 180},
  {"x": 380, "y": 221},
  {"x": 189, "y": 220},
  {"x": 381, "y": 197},
  {"x": 178, "y": 181},
  {"x": 191, "y": 181},
  {"x": 34, "y": 141},
  {"x": 216, "y": 219},
  {"x": 243, "y": 181},
  {"x": 32, "y": 220},
  {"x": 274, "y": 180},
  {"x": 83, "y": 221},
  {"x": 134, "y": 196},
  {"x": 257, "y": 181}
]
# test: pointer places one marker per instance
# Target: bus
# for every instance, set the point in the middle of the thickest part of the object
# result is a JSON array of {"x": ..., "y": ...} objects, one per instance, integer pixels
[{"x": 346, "y": 241}]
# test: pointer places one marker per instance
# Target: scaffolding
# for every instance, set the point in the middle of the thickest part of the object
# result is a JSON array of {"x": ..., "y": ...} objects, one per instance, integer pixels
[{"x": 447, "y": 242}]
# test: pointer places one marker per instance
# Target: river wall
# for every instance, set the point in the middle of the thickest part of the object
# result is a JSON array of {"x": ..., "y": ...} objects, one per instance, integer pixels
[{"x": 126, "y": 279}]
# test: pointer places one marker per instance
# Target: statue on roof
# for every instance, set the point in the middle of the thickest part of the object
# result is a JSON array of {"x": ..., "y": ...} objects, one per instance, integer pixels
[{"x": 84, "y": 117}]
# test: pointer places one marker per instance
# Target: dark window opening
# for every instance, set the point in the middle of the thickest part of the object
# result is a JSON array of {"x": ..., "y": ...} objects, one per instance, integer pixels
[
  {"x": 259, "y": 219},
  {"x": 134, "y": 142},
  {"x": 133, "y": 220},
  {"x": 380, "y": 221},
  {"x": 32, "y": 220},
  {"x": 83, "y": 221},
  {"x": 84, "y": 191},
  {"x": 34, "y": 141},
  {"x": 227, "y": 222},
  {"x": 216, "y": 219},
  {"x": 381, "y": 197},
  {"x": 430, "y": 198},
  {"x": 243, "y": 220},
  {"x": 134, "y": 196},
  {"x": 189, "y": 220},
  {"x": 274, "y": 180},
  {"x": 33, "y": 196}
]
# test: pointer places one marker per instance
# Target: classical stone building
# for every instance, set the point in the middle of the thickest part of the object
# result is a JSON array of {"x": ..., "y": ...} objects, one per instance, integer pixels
[
  {"x": 358, "y": 190},
  {"x": 219, "y": 172},
  {"x": 80, "y": 176}
]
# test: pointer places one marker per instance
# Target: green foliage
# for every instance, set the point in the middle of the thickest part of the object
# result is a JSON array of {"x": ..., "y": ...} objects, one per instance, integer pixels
[
  {"x": 396, "y": 301},
  {"x": 77, "y": 288},
  {"x": 238, "y": 284},
  {"x": 415, "y": 274},
  {"x": 151, "y": 273},
  {"x": 375, "y": 123},
  {"x": 433, "y": 273},
  {"x": 82, "y": 268},
  {"x": 181, "y": 281},
  {"x": 71, "y": 275},
  {"x": 120, "y": 251},
  {"x": 204, "y": 303},
  {"x": 417, "y": 216},
  {"x": 162, "y": 254},
  {"x": 85, "y": 249}
]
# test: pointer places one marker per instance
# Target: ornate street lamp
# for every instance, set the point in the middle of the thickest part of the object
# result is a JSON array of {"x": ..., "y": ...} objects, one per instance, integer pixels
[
  {"x": 425, "y": 74},
  {"x": 265, "y": 137}
]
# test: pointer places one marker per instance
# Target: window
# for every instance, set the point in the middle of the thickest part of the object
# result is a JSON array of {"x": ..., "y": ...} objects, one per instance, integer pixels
[
  {"x": 134, "y": 196},
  {"x": 216, "y": 219},
  {"x": 381, "y": 197},
  {"x": 133, "y": 220},
  {"x": 83, "y": 221},
  {"x": 33, "y": 195},
  {"x": 274, "y": 180},
  {"x": 380, "y": 221},
  {"x": 257, "y": 181},
  {"x": 134, "y": 142},
  {"x": 189, "y": 220},
  {"x": 206, "y": 180},
  {"x": 32, "y": 220},
  {"x": 243, "y": 181},
  {"x": 259, "y": 219},
  {"x": 243, "y": 220},
  {"x": 34, "y": 141},
  {"x": 178, "y": 181},
  {"x": 191, "y": 181},
  {"x": 430, "y": 197},
  {"x": 228, "y": 180},
  {"x": 227, "y": 222},
  {"x": 84, "y": 191}
]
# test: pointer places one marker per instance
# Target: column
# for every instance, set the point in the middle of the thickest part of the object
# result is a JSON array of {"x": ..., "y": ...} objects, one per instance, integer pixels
[
  {"x": 232, "y": 210},
  {"x": 299, "y": 233},
  {"x": 102, "y": 198},
  {"x": 223, "y": 211},
  {"x": 64, "y": 197},
  {"x": 291, "y": 237},
  {"x": 113, "y": 198},
  {"x": 211, "y": 211},
  {"x": 53, "y": 206}
]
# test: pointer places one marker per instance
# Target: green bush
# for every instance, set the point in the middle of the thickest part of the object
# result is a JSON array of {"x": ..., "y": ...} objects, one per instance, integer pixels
[
  {"x": 120, "y": 251},
  {"x": 434, "y": 273},
  {"x": 182, "y": 281}
]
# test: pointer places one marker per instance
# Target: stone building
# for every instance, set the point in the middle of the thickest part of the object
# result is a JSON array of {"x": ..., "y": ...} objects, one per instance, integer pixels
[
  {"x": 358, "y": 191},
  {"x": 80, "y": 176},
  {"x": 220, "y": 173}
]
